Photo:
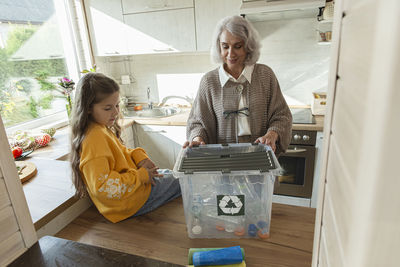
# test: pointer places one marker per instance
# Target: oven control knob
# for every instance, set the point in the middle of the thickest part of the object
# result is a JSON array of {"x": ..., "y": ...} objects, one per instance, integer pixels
[
  {"x": 306, "y": 137},
  {"x": 296, "y": 137}
]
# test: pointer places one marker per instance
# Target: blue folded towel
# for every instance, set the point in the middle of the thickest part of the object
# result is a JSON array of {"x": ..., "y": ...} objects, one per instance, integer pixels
[{"x": 222, "y": 256}]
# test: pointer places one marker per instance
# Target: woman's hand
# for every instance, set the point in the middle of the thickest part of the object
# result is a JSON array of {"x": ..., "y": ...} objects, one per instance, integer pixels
[
  {"x": 269, "y": 138},
  {"x": 195, "y": 142}
]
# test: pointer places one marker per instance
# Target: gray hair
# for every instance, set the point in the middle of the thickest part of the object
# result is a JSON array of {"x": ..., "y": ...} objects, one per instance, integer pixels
[{"x": 241, "y": 28}]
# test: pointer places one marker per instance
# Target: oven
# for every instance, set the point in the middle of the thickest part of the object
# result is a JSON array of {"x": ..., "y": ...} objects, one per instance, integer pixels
[{"x": 296, "y": 178}]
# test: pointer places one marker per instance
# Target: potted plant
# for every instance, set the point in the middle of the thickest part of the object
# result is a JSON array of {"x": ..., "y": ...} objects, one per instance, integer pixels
[{"x": 67, "y": 85}]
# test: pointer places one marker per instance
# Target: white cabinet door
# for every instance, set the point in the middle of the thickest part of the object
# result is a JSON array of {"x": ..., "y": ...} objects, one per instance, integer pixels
[
  {"x": 161, "y": 31},
  {"x": 106, "y": 27},
  {"x": 161, "y": 143},
  {"x": 17, "y": 233},
  {"x": 317, "y": 167},
  {"x": 137, "y": 6},
  {"x": 357, "y": 219},
  {"x": 208, "y": 13},
  {"x": 127, "y": 137}
]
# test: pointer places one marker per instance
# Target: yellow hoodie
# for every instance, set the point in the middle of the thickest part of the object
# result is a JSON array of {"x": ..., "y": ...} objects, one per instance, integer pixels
[{"x": 109, "y": 169}]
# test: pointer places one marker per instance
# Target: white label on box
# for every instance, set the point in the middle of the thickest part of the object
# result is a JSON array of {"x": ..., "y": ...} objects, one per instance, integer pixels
[{"x": 230, "y": 205}]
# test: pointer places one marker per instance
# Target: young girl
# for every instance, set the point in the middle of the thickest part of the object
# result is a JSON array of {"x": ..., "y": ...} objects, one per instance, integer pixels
[{"x": 121, "y": 182}]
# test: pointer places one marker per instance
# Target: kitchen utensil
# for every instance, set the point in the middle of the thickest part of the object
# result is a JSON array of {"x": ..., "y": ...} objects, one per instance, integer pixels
[
  {"x": 328, "y": 36},
  {"x": 27, "y": 170},
  {"x": 24, "y": 154}
]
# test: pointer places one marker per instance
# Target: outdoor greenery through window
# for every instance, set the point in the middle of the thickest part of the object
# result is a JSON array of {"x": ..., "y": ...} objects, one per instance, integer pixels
[{"x": 32, "y": 60}]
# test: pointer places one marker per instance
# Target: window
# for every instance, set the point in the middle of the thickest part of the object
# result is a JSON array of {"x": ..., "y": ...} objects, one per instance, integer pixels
[{"x": 35, "y": 51}]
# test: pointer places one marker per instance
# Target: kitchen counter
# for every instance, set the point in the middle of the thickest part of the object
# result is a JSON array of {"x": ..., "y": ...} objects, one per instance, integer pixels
[
  {"x": 50, "y": 191},
  {"x": 181, "y": 118},
  {"x": 175, "y": 120},
  {"x": 319, "y": 126}
]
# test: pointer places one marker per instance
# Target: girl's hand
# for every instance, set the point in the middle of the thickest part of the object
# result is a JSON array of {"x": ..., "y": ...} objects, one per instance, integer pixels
[
  {"x": 195, "y": 142},
  {"x": 269, "y": 138},
  {"x": 146, "y": 163},
  {"x": 151, "y": 168},
  {"x": 153, "y": 173}
]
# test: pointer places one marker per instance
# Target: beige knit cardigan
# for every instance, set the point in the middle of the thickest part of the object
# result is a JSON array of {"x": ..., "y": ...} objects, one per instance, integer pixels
[{"x": 268, "y": 109}]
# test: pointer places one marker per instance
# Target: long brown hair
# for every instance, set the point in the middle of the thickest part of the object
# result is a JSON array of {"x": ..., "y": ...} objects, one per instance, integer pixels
[{"x": 91, "y": 89}]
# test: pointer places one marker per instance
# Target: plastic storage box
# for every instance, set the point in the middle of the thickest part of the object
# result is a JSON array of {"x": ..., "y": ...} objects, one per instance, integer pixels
[{"x": 227, "y": 189}]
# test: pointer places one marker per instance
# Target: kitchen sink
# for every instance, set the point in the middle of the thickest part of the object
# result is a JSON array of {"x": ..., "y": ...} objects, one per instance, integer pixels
[{"x": 155, "y": 112}]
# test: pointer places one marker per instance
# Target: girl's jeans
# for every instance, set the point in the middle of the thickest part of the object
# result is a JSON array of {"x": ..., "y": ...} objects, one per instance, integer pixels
[{"x": 166, "y": 189}]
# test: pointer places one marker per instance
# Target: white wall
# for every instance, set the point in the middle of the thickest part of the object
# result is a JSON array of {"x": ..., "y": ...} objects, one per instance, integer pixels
[{"x": 290, "y": 47}]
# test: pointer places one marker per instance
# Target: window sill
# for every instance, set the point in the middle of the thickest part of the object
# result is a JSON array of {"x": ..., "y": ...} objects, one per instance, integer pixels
[
  {"x": 57, "y": 120},
  {"x": 58, "y": 148},
  {"x": 50, "y": 192}
]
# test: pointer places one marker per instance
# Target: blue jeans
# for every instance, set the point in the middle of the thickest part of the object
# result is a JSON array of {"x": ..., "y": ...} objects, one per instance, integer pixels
[{"x": 166, "y": 189}]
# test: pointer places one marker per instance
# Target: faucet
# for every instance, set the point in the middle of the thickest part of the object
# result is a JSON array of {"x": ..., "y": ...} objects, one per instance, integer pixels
[
  {"x": 165, "y": 99},
  {"x": 149, "y": 103}
]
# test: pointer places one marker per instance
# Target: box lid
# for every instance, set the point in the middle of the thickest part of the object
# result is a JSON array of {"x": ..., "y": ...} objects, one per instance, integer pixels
[{"x": 226, "y": 158}]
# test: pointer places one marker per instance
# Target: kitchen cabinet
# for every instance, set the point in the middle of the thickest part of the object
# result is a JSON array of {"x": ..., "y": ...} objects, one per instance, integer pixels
[
  {"x": 317, "y": 166},
  {"x": 138, "y": 6},
  {"x": 161, "y": 143},
  {"x": 106, "y": 27},
  {"x": 355, "y": 223},
  {"x": 17, "y": 231},
  {"x": 208, "y": 13},
  {"x": 159, "y": 26},
  {"x": 127, "y": 136},
  {"x": 161, "y": 31}
]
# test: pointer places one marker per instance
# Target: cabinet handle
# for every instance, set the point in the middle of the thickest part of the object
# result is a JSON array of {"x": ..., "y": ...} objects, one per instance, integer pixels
[
  {"x": 295, "y": 150},
  {"x": 112, "y": 53},
  {"x": 163, "y": 50},
  {"x": 155, "y": 131}
]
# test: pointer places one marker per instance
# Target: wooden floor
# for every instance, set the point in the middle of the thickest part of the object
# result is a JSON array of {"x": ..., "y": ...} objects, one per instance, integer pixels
[{"x": 162, "y": 235}]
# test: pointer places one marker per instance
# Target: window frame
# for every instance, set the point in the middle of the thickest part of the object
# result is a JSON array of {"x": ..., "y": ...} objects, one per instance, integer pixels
[
  {"x": 77, "y": 56},
  {"x": 56, "y": 120}
]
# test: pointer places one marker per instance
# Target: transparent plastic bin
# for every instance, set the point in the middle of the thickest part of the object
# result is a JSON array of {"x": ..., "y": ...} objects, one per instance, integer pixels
[{"x": 227, "y": 189}]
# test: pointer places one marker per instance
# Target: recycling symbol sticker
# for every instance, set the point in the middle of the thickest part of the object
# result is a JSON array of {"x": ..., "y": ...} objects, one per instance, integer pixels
[{"x": 230, "y": 205}]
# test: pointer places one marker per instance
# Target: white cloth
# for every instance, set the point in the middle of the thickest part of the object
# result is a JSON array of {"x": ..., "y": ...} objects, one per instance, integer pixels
[{"x": 224, "y": 77}]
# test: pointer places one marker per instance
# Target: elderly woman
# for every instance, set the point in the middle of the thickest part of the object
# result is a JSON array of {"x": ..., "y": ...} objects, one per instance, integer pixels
[{"x": 240, "y": 101}]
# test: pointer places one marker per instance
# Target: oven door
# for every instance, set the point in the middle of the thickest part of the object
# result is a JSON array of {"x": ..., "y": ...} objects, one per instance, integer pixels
[{"x": 296, "y": 178}]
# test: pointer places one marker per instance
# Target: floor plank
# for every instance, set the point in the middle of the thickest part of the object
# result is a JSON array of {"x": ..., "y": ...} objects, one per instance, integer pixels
[{"x": 162, "y": 235}]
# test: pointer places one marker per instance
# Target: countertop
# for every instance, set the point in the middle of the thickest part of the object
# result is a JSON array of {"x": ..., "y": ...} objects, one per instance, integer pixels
[
  {"x": 50, "y": 191},
  {"x": 181, "y": 118}
]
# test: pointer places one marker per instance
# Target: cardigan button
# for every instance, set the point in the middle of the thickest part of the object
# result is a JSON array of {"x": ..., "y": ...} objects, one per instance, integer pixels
[{"x": 239, "y": 88}]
